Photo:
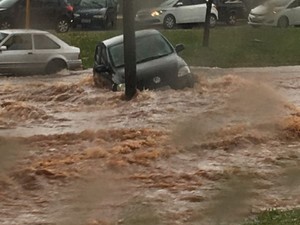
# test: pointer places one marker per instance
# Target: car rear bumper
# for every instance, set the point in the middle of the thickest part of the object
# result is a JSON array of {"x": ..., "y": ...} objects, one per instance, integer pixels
[{"x": 74, "y": 64}]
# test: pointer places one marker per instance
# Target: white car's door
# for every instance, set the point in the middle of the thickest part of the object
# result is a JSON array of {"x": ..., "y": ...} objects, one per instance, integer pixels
[
  {"x": 185, "y": 11},
  {"x": 44, "y": 48},
  {"x": 200, "y": 10},
  {"x": 296, "y": 12},
  {"x": 18, "y": 54},
  {"x": 293, "y": 12}
]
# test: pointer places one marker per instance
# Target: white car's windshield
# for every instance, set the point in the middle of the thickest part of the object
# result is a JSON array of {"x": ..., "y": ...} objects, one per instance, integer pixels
[
  {"x": 147, "y": 48},
  {"x": 2, "y": 36},
  {"x": 168, "y": 3}
]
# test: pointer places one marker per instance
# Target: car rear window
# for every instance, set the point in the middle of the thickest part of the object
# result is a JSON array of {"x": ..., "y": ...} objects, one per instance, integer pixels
[{"x": 2, "y": 36}]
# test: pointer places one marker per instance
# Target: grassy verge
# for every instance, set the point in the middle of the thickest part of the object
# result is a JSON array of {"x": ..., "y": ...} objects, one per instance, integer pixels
[
  {"x": 276, "y": 217},
  {"x": 240, "y": 46}
]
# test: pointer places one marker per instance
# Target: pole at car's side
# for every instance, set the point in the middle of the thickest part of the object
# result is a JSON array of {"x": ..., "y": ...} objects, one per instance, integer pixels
[
  {"x": 207, "y": 23},
  {"x": 27, "y": 16},
  {"x": 129, "y": 49}
]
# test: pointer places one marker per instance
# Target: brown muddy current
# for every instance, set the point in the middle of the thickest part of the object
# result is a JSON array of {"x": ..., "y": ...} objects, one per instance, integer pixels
[{"x": 74, "y": 154}]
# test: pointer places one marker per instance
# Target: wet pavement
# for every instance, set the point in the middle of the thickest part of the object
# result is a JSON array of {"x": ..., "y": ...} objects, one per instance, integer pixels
[{"x": 72, "y": 153}]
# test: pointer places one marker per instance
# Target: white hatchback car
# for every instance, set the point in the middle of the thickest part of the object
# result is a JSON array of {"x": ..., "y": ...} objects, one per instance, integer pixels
[
  {"x": 33, "y": 51},
  {"x": 281, "y": 13},
  {"x": 173, "y": 12}
]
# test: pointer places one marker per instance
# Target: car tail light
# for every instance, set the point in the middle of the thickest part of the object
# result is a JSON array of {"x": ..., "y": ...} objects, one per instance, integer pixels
[{"x": 69, "y": 8}]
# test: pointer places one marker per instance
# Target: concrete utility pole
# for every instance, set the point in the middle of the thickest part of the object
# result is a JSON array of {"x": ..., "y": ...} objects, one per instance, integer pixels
[
  {"x": 129, "y": 49},
  {"x": 207, "y": 23},
  {"x": 27, "y": 19}
]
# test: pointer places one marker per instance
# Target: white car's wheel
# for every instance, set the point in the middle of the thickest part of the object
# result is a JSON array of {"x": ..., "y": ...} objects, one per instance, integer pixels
[
  {"x": 212, "y": 20},
  {"x": 283, "y": 22},
  {"x": 55, "y": 66},
  {"x": 169, "y": 22}
]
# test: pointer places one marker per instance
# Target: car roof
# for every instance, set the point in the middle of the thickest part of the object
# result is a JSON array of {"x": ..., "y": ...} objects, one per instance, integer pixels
[
  {"x": 23, "y": 31},
  {"x": 119, "y": 39}
]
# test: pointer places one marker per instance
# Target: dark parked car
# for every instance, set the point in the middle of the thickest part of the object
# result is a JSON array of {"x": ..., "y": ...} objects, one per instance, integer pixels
[
  {"x": 157, "y": 62},
  {"x": 231, "y": 10},
  {"x": 96, "y": 13},
  {"x": 52, "y": 14}
]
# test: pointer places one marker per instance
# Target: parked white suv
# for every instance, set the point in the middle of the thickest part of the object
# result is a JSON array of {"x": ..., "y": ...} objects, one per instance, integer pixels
[
  {"x": 281, "y": 13},
  {"x": 173, "y": 12}
]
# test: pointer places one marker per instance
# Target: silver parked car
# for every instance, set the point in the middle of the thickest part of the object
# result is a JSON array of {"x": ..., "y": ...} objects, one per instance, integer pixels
[
  {"x": 280, "y": 13},
  {"x": 34, "y": 51}
]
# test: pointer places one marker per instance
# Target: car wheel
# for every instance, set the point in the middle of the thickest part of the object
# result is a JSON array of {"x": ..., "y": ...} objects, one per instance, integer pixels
[
  {"x": 55, "y": 66},
  {"x": 101, "y": 82},
  {"x": 180, "y": 84},
  {"x": 231, "y": 19},
  {"x": 169, "y": 22},
  {"x": 212, "y": 20},
  {"x": 62, "y": 26},
  {"x": 5, "y": 25},
  {"x": 283, "y": 22}
]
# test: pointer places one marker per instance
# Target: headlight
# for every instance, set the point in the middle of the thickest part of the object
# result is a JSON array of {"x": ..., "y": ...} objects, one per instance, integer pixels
[
  {"x": 183, "y": 71},
  {"x": 276, "y": 11},
  {"x": 156, "y": 13}
]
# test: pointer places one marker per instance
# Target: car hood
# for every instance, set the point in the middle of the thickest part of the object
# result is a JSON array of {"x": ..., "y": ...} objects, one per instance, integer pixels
[
  {"x": 265, "y": 8},
  {"x": 165, "y": 68}
]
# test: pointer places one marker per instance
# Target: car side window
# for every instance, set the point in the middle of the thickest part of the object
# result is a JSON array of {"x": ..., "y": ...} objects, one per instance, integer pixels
[
  {"x": 19, "y": 42},
  {"x": 44, "y": 42},
  {"x": 198, "y": 2},
  {"x": 186, "y": 2},
  {"x": 101, "y": 55},
  {"x": 294, "y": 4}
]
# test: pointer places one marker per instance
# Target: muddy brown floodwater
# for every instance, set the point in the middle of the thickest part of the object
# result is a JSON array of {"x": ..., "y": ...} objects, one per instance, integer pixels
[{"x": 71, "y": 153}]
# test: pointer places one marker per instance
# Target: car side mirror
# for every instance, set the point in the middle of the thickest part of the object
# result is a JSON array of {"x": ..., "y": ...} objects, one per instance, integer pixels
[
  {"x": 101, "y": 69},
  {"x": 3, "y": 48},
  {"x": 178, "y": 4},
  {"x": 179, "y": 48}
]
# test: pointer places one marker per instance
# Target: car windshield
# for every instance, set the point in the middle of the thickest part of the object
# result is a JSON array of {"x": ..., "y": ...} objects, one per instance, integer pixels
[
  {"x": 147, "y": 48},
  {"x": 93, "y": 3},
  {"x": 168, "y": 3},
  {"x": 7, "y": 3},
  {"x": 2, "y": 36}
]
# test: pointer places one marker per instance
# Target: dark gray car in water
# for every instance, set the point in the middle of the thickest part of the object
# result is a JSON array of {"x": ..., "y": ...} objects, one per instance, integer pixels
[{"x": 157, "y": 61}]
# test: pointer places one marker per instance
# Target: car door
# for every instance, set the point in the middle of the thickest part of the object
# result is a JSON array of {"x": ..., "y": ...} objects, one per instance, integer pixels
[
  {"x": 200, "y": 10},
  {"x": 18, "y": 54},
  {"x": 293, "y": 12},
  {"x": 44, "y": 50},
  {"x": 184, "y": 11}
]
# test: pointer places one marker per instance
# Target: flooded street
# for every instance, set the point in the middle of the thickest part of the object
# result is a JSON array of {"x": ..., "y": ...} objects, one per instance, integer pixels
[{"x": 71, "y": 153}]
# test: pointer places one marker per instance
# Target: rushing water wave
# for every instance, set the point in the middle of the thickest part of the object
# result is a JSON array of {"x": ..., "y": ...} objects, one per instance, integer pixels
[{"x": 71, "y": 153}]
